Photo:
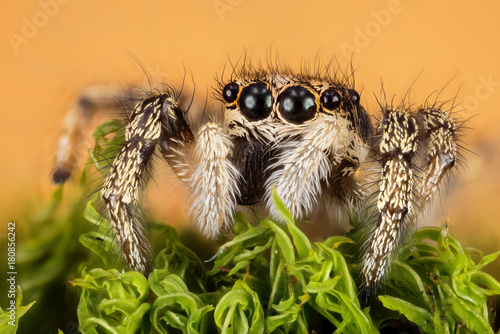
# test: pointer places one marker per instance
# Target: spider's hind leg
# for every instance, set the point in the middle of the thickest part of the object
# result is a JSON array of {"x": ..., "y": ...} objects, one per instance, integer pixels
[{"x": 92, "y": 101}]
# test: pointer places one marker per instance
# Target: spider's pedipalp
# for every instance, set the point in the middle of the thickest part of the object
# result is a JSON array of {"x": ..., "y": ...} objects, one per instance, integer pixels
[
  {"x": 215, "y": 181},
  {"x": 307, "y": 163},
  {"x": 398, "y": 146}
]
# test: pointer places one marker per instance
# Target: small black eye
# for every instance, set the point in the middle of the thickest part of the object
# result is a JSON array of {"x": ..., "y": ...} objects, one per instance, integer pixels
[
  {"x": 354, "y": 96},
  {"x": 230, "y": 92},
  {"x": 331, "y": 99},
  {"x": 297, "y": 105},
  {"x": 255, "y": 101}
]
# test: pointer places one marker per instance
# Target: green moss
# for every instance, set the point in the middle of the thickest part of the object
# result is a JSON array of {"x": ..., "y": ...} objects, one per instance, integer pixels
[
  {"x": 271, "y": 278},
  {"x": 9, "y": 319}
]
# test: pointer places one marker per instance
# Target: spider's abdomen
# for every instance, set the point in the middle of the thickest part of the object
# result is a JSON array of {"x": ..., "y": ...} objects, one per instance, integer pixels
[{"x": 252, "y": 159}]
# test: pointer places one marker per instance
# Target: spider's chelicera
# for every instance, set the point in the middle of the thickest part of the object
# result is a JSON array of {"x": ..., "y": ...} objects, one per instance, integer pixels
[{"x": 305, "y": 134}]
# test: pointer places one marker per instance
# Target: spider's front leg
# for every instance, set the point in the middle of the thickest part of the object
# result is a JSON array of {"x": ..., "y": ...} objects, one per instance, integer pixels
[
  {"x": 398, "y": 146},
  {"x": 158, "y": 120},
  {"x": 440, "y": 132},
  {"x": 403, "y": 194}
]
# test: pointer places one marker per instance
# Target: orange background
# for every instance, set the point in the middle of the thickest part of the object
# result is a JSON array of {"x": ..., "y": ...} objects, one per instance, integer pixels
[{"x": 79, "y": 43}]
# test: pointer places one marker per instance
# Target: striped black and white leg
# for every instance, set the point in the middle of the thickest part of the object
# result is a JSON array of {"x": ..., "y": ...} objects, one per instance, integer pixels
[
  {"x": 152, "y": 122},
  {"x": 398, "y": 146},
  {"x": 441, "y": 134},
  {"x": 405, "y": 189}
]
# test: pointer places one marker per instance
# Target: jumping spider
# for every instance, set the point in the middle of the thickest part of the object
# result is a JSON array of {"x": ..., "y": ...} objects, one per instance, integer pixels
[{"x": 305, "y": 133}]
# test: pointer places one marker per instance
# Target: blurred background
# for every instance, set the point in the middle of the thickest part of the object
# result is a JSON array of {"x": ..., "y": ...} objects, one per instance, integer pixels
[{"x": 52, "y": 49}]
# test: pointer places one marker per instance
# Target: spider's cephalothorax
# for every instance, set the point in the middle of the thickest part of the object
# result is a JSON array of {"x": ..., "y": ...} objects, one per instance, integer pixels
[{"x": 307, "y": 135}]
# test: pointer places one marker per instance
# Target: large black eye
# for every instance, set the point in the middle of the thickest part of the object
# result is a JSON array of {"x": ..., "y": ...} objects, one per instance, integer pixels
[
  {"x": 297, "y": 104},
  {"x": 255, "y": 101},
  {"x": 354, "y": 96},
  {"x": 331, "y": 99},
  {"x": 230, "y": 92}
]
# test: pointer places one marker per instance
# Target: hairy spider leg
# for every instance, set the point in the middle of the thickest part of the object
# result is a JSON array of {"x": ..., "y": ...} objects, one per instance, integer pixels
[
  {"x": 77, "y": 121},
  {"x": 127, "y": 175},
  {"x": 440, "y": 132},
  {"x": 398, "y": 146}
]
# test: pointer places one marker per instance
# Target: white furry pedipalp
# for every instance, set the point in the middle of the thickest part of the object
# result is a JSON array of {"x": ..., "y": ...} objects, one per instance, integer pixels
[
  {"x": 214, "y": 183},
  {"x": 304, "y": 165}
]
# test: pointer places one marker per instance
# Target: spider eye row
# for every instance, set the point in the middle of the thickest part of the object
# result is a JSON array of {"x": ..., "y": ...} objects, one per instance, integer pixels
[{"x": 296, "y": 104}]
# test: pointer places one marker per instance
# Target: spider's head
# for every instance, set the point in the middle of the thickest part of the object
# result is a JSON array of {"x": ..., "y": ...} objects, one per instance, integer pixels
[{"x": 267, "y": 105}]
